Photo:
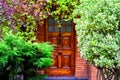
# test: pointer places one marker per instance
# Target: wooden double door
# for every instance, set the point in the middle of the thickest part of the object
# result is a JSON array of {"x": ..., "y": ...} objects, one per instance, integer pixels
[{"x": 63, "y": 39}]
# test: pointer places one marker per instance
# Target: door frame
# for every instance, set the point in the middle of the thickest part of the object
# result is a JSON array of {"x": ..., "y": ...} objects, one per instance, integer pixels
[{"x": 73, "y": 34}]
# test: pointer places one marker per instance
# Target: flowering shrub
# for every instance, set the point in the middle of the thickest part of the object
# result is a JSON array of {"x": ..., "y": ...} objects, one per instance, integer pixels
[
  {"x": 98, "y": 31},
  {"x": 21, "y": 16}
]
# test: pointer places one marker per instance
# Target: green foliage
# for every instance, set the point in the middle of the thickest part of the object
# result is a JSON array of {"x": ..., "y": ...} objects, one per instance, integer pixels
[
  {"x": 38, "y": 77},
  {"x": 98, "y": 30},
  {"x": 33, "y": 13},
  {"x": 62, "y": 8},
  {"x": 26, "y": 28},
  {"x": 18, "y": 56}
]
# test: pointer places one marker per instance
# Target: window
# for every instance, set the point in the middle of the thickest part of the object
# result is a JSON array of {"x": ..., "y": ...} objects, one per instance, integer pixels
[{"x": 66, "y": 26}]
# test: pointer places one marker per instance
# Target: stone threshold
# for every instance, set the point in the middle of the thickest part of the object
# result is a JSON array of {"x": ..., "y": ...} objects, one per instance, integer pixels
[{"x": 64, "y": 78}]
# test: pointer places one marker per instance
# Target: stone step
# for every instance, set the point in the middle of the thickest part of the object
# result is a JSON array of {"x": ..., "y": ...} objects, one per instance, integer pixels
[{"x": 64, "y": 78}]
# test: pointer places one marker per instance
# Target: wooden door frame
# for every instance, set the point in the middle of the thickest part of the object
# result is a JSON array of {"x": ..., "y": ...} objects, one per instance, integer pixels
[{"x": 73, "y": 34}]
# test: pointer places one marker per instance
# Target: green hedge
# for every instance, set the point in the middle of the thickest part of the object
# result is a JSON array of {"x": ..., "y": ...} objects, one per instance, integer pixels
[{"x": 98, "y": 30}]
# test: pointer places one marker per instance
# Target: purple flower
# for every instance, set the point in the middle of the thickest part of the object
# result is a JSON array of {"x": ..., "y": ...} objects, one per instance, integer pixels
[{"x": 8, "y": 12}]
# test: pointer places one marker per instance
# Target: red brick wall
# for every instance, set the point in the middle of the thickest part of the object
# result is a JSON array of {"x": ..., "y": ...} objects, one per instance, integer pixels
[
  {"x": 82, "y": 69},
  {"x": 93, "y": 73}
]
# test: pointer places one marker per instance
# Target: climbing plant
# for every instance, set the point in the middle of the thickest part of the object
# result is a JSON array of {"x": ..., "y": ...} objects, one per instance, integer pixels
[{"x": 12, "y": 13}]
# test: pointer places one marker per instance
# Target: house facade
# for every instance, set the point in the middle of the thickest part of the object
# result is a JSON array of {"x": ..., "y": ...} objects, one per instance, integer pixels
[{"x": 66, "y": 56}]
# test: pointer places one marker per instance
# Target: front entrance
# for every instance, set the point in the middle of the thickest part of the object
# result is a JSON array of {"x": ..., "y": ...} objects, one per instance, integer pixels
[{"x": 64, "y": 40}]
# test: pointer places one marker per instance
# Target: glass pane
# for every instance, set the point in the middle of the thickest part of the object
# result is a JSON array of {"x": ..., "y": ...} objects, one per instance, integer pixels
[
  {"x": 63, "y": 29},
  {"x": 56, "y": 29},
  {"x": 50, "y": 21},
  {"x": 68, "y": 29},
  {"x": 50, "y": 29},
  {"x": 66, "y": 26}
]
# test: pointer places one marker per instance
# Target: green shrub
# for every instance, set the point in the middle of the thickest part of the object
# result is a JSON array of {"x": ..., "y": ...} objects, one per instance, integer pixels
[
  {"x": 98, "y": 30},
  {"x": 20, "y": 57}
]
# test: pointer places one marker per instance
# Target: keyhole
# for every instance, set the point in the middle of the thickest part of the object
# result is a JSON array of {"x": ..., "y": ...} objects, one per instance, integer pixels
[
  {"x": 59, "y": 35},
  {"x": 59, "y": 53},
  {"x": 59, "y": 39}
]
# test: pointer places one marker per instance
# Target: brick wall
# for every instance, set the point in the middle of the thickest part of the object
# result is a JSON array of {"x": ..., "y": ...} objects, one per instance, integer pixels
[
  {"x": 82, "y": 69},
  {"x": 93, "y": 73}
]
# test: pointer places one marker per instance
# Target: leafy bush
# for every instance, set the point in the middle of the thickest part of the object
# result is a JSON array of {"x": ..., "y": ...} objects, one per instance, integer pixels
[
  {"x": 20, "y": 57},
  {"x": 98, "y": 30}
]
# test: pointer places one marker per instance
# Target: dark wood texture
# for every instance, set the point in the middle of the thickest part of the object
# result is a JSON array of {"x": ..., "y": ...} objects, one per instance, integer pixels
[
  {"x": 64, "y": 53},
  {"x": 40, "y": 32}
]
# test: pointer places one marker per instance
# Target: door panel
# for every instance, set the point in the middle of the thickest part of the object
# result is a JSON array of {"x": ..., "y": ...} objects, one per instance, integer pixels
[
  {"x": 63, "y": 55},
  {"x": 55, "y": 62},
  {"x": 66, "y": 42},
  {"x": 53, "y": 39}
]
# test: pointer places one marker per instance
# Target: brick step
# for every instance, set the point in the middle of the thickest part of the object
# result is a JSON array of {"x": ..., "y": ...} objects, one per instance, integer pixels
[{"x": 64, "y": 78}]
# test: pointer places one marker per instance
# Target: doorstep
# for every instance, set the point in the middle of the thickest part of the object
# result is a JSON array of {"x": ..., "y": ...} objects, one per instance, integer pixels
[{"x": 64, "y": 78}]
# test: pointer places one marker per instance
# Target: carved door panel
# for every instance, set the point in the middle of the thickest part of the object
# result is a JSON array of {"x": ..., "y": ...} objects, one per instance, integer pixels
[{"x": 63, "y": 55}]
